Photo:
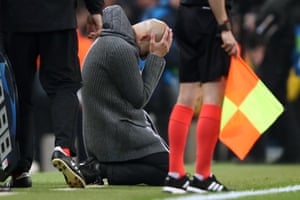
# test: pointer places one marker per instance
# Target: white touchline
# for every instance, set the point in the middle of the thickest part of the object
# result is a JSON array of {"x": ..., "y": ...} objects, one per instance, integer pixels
[
  {"x": 7, "y": 193},
  {"x": 237, "y": 194}
]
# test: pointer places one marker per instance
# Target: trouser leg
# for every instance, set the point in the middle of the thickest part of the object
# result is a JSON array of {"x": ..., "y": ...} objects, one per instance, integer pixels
[
  {"x": 64, "y": 113},
  {"x": 151, "y": 170},
  {"x": 22, "y": 55},
  {"x": 61, "y": 78}
]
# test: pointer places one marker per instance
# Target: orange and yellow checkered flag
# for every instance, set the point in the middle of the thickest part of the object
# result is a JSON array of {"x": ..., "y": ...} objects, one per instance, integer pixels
[{"x": 249, "y": 109}]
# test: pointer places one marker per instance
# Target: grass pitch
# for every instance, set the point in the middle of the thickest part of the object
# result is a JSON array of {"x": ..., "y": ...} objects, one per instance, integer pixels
[{"x": 240, "y": 177}]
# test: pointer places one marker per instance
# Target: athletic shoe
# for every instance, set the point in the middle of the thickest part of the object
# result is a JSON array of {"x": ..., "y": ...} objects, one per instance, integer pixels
[
  {"x": 5, "y": 189},
  {"x": 90, "y": 169},
  {"x": 68, "y": 167},
  {"x": 20, "y": 181},
  {"x": 211, "y": 184},
  {"x": 176, "y": 186}
]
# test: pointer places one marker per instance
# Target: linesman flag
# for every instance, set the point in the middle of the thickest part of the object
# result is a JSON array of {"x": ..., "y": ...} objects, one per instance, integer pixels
[{"x": 249, "y": 109}]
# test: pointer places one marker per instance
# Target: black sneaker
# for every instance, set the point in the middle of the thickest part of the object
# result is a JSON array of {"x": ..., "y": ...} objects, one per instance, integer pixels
[
  {"x": 5, "y": 189},
  {"x": 211, "y": 184},
  {"x": 68, "y": 167},
  {"x": 20, "y": 181},
  {"x": 176, "y": 186},
  {"x": 90, "y": 169}
]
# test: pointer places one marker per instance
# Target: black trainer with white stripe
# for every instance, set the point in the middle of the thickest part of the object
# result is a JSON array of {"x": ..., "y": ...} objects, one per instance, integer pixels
[
  {"x": 176, "y": 186},
  {"x": 211, "y": 184}
]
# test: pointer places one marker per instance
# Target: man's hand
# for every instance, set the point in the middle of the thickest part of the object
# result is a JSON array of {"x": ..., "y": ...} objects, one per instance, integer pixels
[
  {"x": 94, "y": 25},
  {"x": 162, "y": 47},
  {"x": 229, "y": 43}
]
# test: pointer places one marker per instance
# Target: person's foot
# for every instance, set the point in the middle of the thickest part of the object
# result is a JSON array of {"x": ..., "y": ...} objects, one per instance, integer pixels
[
  {"x": 211, "y": 184},
  {"x": 22, "y": 180},
  {"x": 90, "y": 169},
  {"x": 68, "y": 167},
  {"x": 176, "y": 186},
  {"x": 4, "y": 188}
]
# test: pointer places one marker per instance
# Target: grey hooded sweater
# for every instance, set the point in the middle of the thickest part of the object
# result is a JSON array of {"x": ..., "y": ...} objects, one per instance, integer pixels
[{"x": 114, "y": 93}]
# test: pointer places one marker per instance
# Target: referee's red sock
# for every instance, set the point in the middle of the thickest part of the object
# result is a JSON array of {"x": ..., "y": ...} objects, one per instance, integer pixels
[
  {"x": 208, "y": 128},
  {"x": 179, "y": 123}
]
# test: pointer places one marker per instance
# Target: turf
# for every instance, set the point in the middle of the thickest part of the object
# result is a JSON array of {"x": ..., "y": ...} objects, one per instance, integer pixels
[{"x": 240, "y": 177}]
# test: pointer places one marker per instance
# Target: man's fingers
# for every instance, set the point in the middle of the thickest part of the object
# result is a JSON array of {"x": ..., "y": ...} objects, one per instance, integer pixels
[
  {"x": 152, "y": 39},
  {"x": 166, "y": 34},
  {"x": 167, "y": 37},
  {"x": 93, "y": 35},
  {"x": 170, "y": 35},
  {"x": 230, "y": 49}
]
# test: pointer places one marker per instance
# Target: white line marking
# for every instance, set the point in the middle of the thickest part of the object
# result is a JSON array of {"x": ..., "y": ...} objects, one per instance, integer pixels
[
  {"x": 7, "y": 193},
  {"x": 72, "y": 189},
  {"x": 234, "y": 195},
  {"x": 65, "y": 189}
]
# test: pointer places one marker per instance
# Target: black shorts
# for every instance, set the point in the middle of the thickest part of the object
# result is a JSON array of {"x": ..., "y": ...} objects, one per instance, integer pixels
[{"x": 202, "y": 59}]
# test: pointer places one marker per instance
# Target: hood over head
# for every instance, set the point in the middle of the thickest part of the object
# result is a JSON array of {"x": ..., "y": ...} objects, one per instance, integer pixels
[{"x": 116, "y": 22}]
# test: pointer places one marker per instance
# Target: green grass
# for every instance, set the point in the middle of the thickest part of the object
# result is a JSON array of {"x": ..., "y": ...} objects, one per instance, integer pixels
[{"x": 50, "y": 185}]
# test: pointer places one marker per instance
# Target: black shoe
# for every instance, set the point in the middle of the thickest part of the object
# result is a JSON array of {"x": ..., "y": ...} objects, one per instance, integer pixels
[
  {"x": 5, "y": 189},
  {"x": 176, "y": 186},
  {"x": 20, "y": 181},
  {"x": 90, "y": 169},
  {"x": 211, "y": 184},
  {"x": 68, "y": 167}
]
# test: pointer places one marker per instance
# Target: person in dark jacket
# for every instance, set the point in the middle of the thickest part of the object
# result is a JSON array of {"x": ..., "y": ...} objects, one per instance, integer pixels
[
  {"x": 122, "y": 142},
  {"x": 276, "y": 23},
  {"x": 46, "y": 29}
]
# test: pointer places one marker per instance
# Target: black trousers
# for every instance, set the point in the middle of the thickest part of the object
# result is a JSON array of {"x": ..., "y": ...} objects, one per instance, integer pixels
[
  {"x": 60, "y": 77},
  {"x": 149, "y": 170}
]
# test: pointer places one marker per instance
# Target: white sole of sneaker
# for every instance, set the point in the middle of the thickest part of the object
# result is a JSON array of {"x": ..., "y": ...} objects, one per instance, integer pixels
[
  {"x": 173, "y": 190},
  {"x": 72, "y": 179},
  {"x": 195, "y": 190}
]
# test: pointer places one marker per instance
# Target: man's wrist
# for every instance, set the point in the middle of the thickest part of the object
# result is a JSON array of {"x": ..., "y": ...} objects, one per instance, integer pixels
[{"x": 225, "y": 26}]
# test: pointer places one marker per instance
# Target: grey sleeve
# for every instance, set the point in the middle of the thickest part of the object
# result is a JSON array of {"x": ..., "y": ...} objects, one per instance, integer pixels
[{"x": 135, "y": 87}]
